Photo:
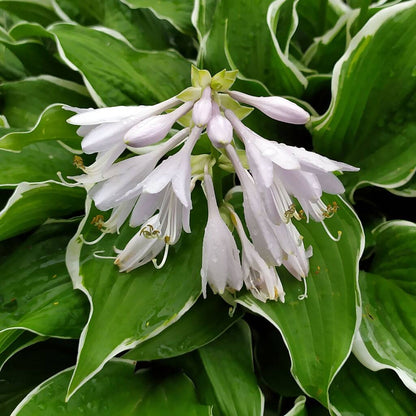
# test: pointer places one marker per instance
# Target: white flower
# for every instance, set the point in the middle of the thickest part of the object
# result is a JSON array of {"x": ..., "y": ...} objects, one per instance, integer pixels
[
  {"x": 277, "y": 108},
  {"x": 142, "y": 248},
  {"x": 219, "y": 129},
  {"x": 153, "y": 129},
  {"x": 175, "y": 170},
  {"x": 262, "y": 280},
  {"x": 117, "y": 183},
  {"x": 173, "y": 215},
  {"x": 221, "y": 267},
  {"x": 106, "y": 127},
  {"x": 262, "y": 230},
  {"x": 201, "y": 113}
]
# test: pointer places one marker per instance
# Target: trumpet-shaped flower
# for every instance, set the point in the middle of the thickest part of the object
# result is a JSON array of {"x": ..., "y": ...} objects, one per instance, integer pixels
[
  {"x": 262, "y": 280},
  {"x": 221, "y": 267},
  {"x": 277, "y": 108},
  {"x": 153, "y": 129},
  {"x": 142, "y": 248}
]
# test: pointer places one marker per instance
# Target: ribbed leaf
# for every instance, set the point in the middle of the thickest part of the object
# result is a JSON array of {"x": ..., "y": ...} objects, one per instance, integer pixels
[
  {"x": 359, "y": 391},
  {"x": 33, "y": 203},
  {"x": 387, "y": 334},
  {"x": 370, "y": 122},
  {"x": 36, "y": 292},
  {"x": 318, "y": 330},
  {"x": 117, "y": 390},
  {"x": 118, "y": 74},
  {"x": 224, "y": 376},
  {"x": 203, "y": 323},
  {"x": 128, "y": 308},
  {"x": 177, "y": 12},
  {"x": 226, "y": 30}
]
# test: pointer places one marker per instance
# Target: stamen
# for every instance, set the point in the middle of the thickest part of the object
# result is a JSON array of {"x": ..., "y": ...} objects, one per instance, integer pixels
[
  {"x": 79, "y": 163},
  {"x": 98, "y": 221},
  {"x": 70, "y": 184},
  {"x": 148, "y": 231},
  {"x": 90, "y": 243},
  {"x": 165, "y": 256},
  {"x": 336, "y": 239},
  {"x": 301, "y": 215},
  {"x": 305, "y": 293},
  {"x": 97, "y": 256},
  {"x": 330, "y": 210},
  {"x": 291, "y": 212}
]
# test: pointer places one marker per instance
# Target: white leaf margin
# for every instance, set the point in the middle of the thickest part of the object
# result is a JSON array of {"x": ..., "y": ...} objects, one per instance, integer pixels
[
  {"x": 368, "y": 30},
  {"x": 72, "y": 260},
  {"x": 45, "y": 383},
  {"x": 298, "y": 408},
  {"x": 254, "y": 308},
  {"x": 359, "y": 348}
]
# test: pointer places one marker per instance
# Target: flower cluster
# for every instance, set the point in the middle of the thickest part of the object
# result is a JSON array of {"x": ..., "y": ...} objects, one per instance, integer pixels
[{"x": 153, "y": 191}]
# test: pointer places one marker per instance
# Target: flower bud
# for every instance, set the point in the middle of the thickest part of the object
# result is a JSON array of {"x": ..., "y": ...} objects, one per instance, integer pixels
[
  {"x": 219, "y": 129},
  {"x": 202, "y": 110},
  {"x": 277, "y": 108}
]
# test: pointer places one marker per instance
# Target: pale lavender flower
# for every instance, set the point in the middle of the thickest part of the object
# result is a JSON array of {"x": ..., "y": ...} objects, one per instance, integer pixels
[
  {"x": 106, "y": 127},
  {"x": 142, "y": 248},
  {"x": 219, "y": 129},
  {"x": 201, "y": 112},
  {"x": 262, "y": 280},
  {"x": 277, "y": 108},
  {"x": 221, "y": 267},
  {"x": 262, "y": 230},
  {"x": 153, "y": 129},
  {"x": 175, "y": 170},
  {"x": 117, "y": 183}
]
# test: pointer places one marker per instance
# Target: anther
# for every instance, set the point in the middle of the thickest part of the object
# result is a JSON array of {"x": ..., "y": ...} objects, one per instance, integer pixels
[
  {"x": 78, "y": 162},
  {"x": 98, "y": 221}
]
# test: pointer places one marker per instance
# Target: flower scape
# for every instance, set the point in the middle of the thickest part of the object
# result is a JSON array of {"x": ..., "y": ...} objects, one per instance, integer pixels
[{"x": 280, "y": 184}]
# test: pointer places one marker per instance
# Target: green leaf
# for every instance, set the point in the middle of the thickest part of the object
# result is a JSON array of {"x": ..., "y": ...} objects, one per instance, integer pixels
[
  {"x": 51, "y": 125},
  {"x": 128, "y": 308},
  {"x": 370, "y": 121},
  {"x": 318, "y": 330},
  {"x": 119, "y": 74},
  {"x": 227, "y": 40},
  {"x": 359, "y": 391},
  {"x": 117, "y": 390},
  {"x": 36, "y": 293},
  {"x": 232, "y": 386},
  {"x": 11, "y": 67},
  {"x": 177, "y": 12},
  {"x": 39, "y": 58},
  {"x": 32, "y": 366},
  {"x": 317, "y": 17},
  {"x": 138, "y": 26},
  {"x": 273, "y": 362},
  {"x": 31, "y": 10},
  {"x": 14, "y": 340},
  {"x": 37, "y": 162},
  {"x": 387, "y": 333},
  {"x": 299, "y": 407},
  {"x": 327, "y": 49},
  {"x": 407, "y": 190},
  {"x": 203, "y": 323},
  {"x": 33, "y": 203},
  {"x": 23, "y": 101}
]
